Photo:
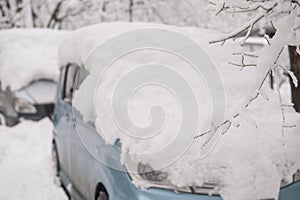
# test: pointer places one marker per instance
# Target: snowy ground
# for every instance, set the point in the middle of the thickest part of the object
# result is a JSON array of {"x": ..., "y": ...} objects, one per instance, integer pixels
[{"x": 25, "y": 162}]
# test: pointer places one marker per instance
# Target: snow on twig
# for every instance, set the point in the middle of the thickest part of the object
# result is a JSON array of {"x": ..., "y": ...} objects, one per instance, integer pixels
[
  {"x": 284, "y": 126},
  {"x": 247, "y": 26},
  {"x": 243, "y": 65},
  {"x": 238, "y": 31},
  {"x": 292, "y": 75}
]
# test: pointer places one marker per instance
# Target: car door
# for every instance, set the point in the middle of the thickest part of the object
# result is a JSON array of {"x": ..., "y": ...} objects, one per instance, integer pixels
[
  {"x": 74, "y": 125},
  {"x": 90, "y": 155},
  {"x": 64, "y": 124},
  {"x": 82, "y": 138}
]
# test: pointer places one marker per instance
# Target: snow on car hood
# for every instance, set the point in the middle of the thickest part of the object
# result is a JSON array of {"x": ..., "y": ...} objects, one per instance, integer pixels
[
  {"x": 29, "y": 54},
  {"x": 248, "y": 161}
]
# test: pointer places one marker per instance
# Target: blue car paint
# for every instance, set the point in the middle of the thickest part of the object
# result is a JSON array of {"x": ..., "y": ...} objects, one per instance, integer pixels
[
  {"x": 291, "y": 192},
  {"x": 76, "y": 139}
]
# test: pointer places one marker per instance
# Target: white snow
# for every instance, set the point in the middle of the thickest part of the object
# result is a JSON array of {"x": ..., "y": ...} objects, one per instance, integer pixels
[
  {"x": 249, "y": 161},
  {"x": 25, "y": 162},
  {"x": 29, "y": 54}
]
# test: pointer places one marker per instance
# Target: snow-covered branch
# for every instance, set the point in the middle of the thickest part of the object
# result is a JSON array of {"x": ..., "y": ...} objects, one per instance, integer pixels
[
  {"x": 248, "y": 26},
  {"x": 242, "y": 65}
]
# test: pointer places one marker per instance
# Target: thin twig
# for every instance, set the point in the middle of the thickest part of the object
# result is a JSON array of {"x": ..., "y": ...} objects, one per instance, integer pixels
[
  {"x": 212, "y": 3},
  {"x": 213, "y": 130},
  {"x": 246, "y": 54},
  {"x": 283, "y": 116},
  {"x": 278, "y": 55},
  {"x": 267, "y": 39},
  {"x": 288, "y": 105},
  {"x": 248, "y": 33},
  {"x": 272, "y": 24},
  {"x": 219, "y": 11},
  {"x": 289, "y": 126},
  {"x": 242, "y": 65}
]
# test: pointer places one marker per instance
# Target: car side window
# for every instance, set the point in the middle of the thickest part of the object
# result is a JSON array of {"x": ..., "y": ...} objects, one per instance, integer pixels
[
  {"x": 80, "y": 76},
  {"x": 69, "y": 80}
]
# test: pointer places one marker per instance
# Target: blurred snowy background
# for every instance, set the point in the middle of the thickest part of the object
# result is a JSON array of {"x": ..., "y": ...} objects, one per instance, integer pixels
[{"x": 72, "y": 14}]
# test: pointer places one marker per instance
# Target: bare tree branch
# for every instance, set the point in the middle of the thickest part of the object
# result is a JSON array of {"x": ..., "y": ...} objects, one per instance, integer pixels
[
  {"x": 248, "y": 33},
  {"x": 238, "y": 31},
  {"x": 255, "y": 96},
  {"x": 246, "y": 26}
]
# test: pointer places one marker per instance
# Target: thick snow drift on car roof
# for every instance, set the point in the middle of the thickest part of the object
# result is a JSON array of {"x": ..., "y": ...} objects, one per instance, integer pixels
[
  {"x": 29, "y": 54},
  {"x": 82, "y": 42}
]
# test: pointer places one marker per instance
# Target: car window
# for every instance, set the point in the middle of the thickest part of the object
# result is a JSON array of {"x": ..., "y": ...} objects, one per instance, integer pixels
[
  {"x": 69, "y": 80},
  {"x": 80, "y": 76}
]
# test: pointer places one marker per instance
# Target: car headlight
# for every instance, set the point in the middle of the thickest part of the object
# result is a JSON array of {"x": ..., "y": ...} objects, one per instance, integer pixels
[
  {"x": 24, "y": 107},
  {"x": 147, "y": 173},
  {"x": 150, "y": 178}
]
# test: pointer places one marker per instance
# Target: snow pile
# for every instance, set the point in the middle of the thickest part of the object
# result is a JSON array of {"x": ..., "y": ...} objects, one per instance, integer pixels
[
  {"x": 250, "y": 159},
  {"x": 25, "y": 162},
  {"x": 29, "y": 54}
]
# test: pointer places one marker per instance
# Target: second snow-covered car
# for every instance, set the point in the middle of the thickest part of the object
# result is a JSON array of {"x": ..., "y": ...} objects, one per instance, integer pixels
[
  {"x": 33, "y": 101},
  {"x": 36, "y": 100}
]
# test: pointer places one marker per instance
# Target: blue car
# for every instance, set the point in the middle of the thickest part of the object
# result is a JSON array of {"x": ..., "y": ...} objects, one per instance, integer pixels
[
  {"x": 82, "y": 174},
  {"x": 81, "y": 156}
]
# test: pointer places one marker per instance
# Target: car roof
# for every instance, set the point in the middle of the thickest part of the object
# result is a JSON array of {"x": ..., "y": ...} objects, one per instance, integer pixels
[{"x": 77, "y": 47}]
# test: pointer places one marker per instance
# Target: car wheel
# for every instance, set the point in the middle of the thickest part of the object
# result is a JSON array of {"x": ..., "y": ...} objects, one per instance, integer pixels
[
  {"x": 3, "y": 120},
  {"x": 102, "y": 196}
]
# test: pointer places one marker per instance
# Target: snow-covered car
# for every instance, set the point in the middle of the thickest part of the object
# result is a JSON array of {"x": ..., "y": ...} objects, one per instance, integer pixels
[
  {"x": 90, "y": 166},
  {"x": 33, "y": 101},
  {"x": 28, "y": 64},
  {"x": 36, "y": 100}
]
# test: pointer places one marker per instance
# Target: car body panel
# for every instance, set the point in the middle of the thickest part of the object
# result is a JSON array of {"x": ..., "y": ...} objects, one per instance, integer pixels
[
  {"x": 291, "y": 192},
  {"x": 61, "y": 131}
]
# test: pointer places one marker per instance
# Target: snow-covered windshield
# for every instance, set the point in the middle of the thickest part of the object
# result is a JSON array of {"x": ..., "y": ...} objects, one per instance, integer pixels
[{"x": 38, "y": 92}]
